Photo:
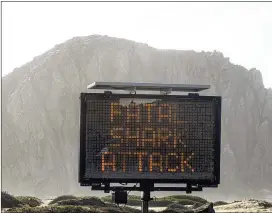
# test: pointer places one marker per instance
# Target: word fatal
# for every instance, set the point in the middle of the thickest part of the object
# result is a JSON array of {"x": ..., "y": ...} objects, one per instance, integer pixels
[{"x": 150, "y": 112}]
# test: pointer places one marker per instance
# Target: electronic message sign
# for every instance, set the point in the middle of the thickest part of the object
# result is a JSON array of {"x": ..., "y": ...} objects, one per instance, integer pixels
[{"x": 149, "y": 137}]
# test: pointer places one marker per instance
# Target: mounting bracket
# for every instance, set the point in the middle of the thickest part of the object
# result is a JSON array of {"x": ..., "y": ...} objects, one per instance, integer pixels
[{"x": 146, "y": 187}]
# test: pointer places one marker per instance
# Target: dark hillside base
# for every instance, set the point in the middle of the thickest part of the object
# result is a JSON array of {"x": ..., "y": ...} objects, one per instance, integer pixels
[
  {"x": 64, "y": 204},
  {"x": 74, "y": 209},
  {"x": 94, "y": 202},
  {"x": 61, "y": 198},
  {"x": 28, "y": 200},
  {"x": 185, "y": 197},
  {"x": 9, "y": 201},
  {"x": 163, "y": 201},
  {"x": 52, "y": 209},
  {"x": 80, "y": 209},
  {"x": 82, "y": 201},
  {"x": 220, "y": 203}
]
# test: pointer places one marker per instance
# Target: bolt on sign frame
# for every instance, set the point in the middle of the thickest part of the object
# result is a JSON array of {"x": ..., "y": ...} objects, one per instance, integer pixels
[{"x": 162, "y": 138}]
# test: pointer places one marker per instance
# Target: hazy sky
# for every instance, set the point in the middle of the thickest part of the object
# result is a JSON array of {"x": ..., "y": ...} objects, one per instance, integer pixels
[{"x": 242, "y": 31}]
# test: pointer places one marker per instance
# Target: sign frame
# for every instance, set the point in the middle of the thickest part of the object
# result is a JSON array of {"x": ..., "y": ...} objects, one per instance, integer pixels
[{"x": 95, "y": 96}]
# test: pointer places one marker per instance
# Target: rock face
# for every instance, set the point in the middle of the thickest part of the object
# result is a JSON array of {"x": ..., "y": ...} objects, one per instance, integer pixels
[{"x": 41, "y": 111}]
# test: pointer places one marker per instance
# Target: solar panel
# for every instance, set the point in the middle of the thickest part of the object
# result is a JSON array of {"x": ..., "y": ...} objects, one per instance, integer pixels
[{"x": 148, "y": 86}]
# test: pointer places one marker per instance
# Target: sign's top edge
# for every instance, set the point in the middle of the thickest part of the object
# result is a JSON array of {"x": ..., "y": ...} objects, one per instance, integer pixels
[
  {"x": 102, "y": 95},
  {"x": 148, "y": 86}
]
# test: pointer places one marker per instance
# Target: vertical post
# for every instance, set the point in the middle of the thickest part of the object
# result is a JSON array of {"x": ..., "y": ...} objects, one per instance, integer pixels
[
  {"x": 146, "y": 187},
  {"x": 145, "y": 198}
]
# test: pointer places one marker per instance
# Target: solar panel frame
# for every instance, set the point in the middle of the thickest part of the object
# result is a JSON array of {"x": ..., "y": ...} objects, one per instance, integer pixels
[{"x": 148, "y": 86}]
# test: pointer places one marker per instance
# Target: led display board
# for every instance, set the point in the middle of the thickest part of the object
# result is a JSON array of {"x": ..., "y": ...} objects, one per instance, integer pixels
[{"x": 128, "y": 138}]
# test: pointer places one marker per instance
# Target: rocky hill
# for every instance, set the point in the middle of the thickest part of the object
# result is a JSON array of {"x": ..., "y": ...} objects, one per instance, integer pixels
[{"x": 40, "y": 111}]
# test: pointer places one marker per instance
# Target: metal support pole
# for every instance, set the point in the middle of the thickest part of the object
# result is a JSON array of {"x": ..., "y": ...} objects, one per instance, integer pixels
[
  {"x": 145, "y": 199},
  {"x": 146, "y": 187}
]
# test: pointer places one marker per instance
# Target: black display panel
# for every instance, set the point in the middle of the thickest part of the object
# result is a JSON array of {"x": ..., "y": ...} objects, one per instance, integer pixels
[{"x": 129, "y": 138}]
